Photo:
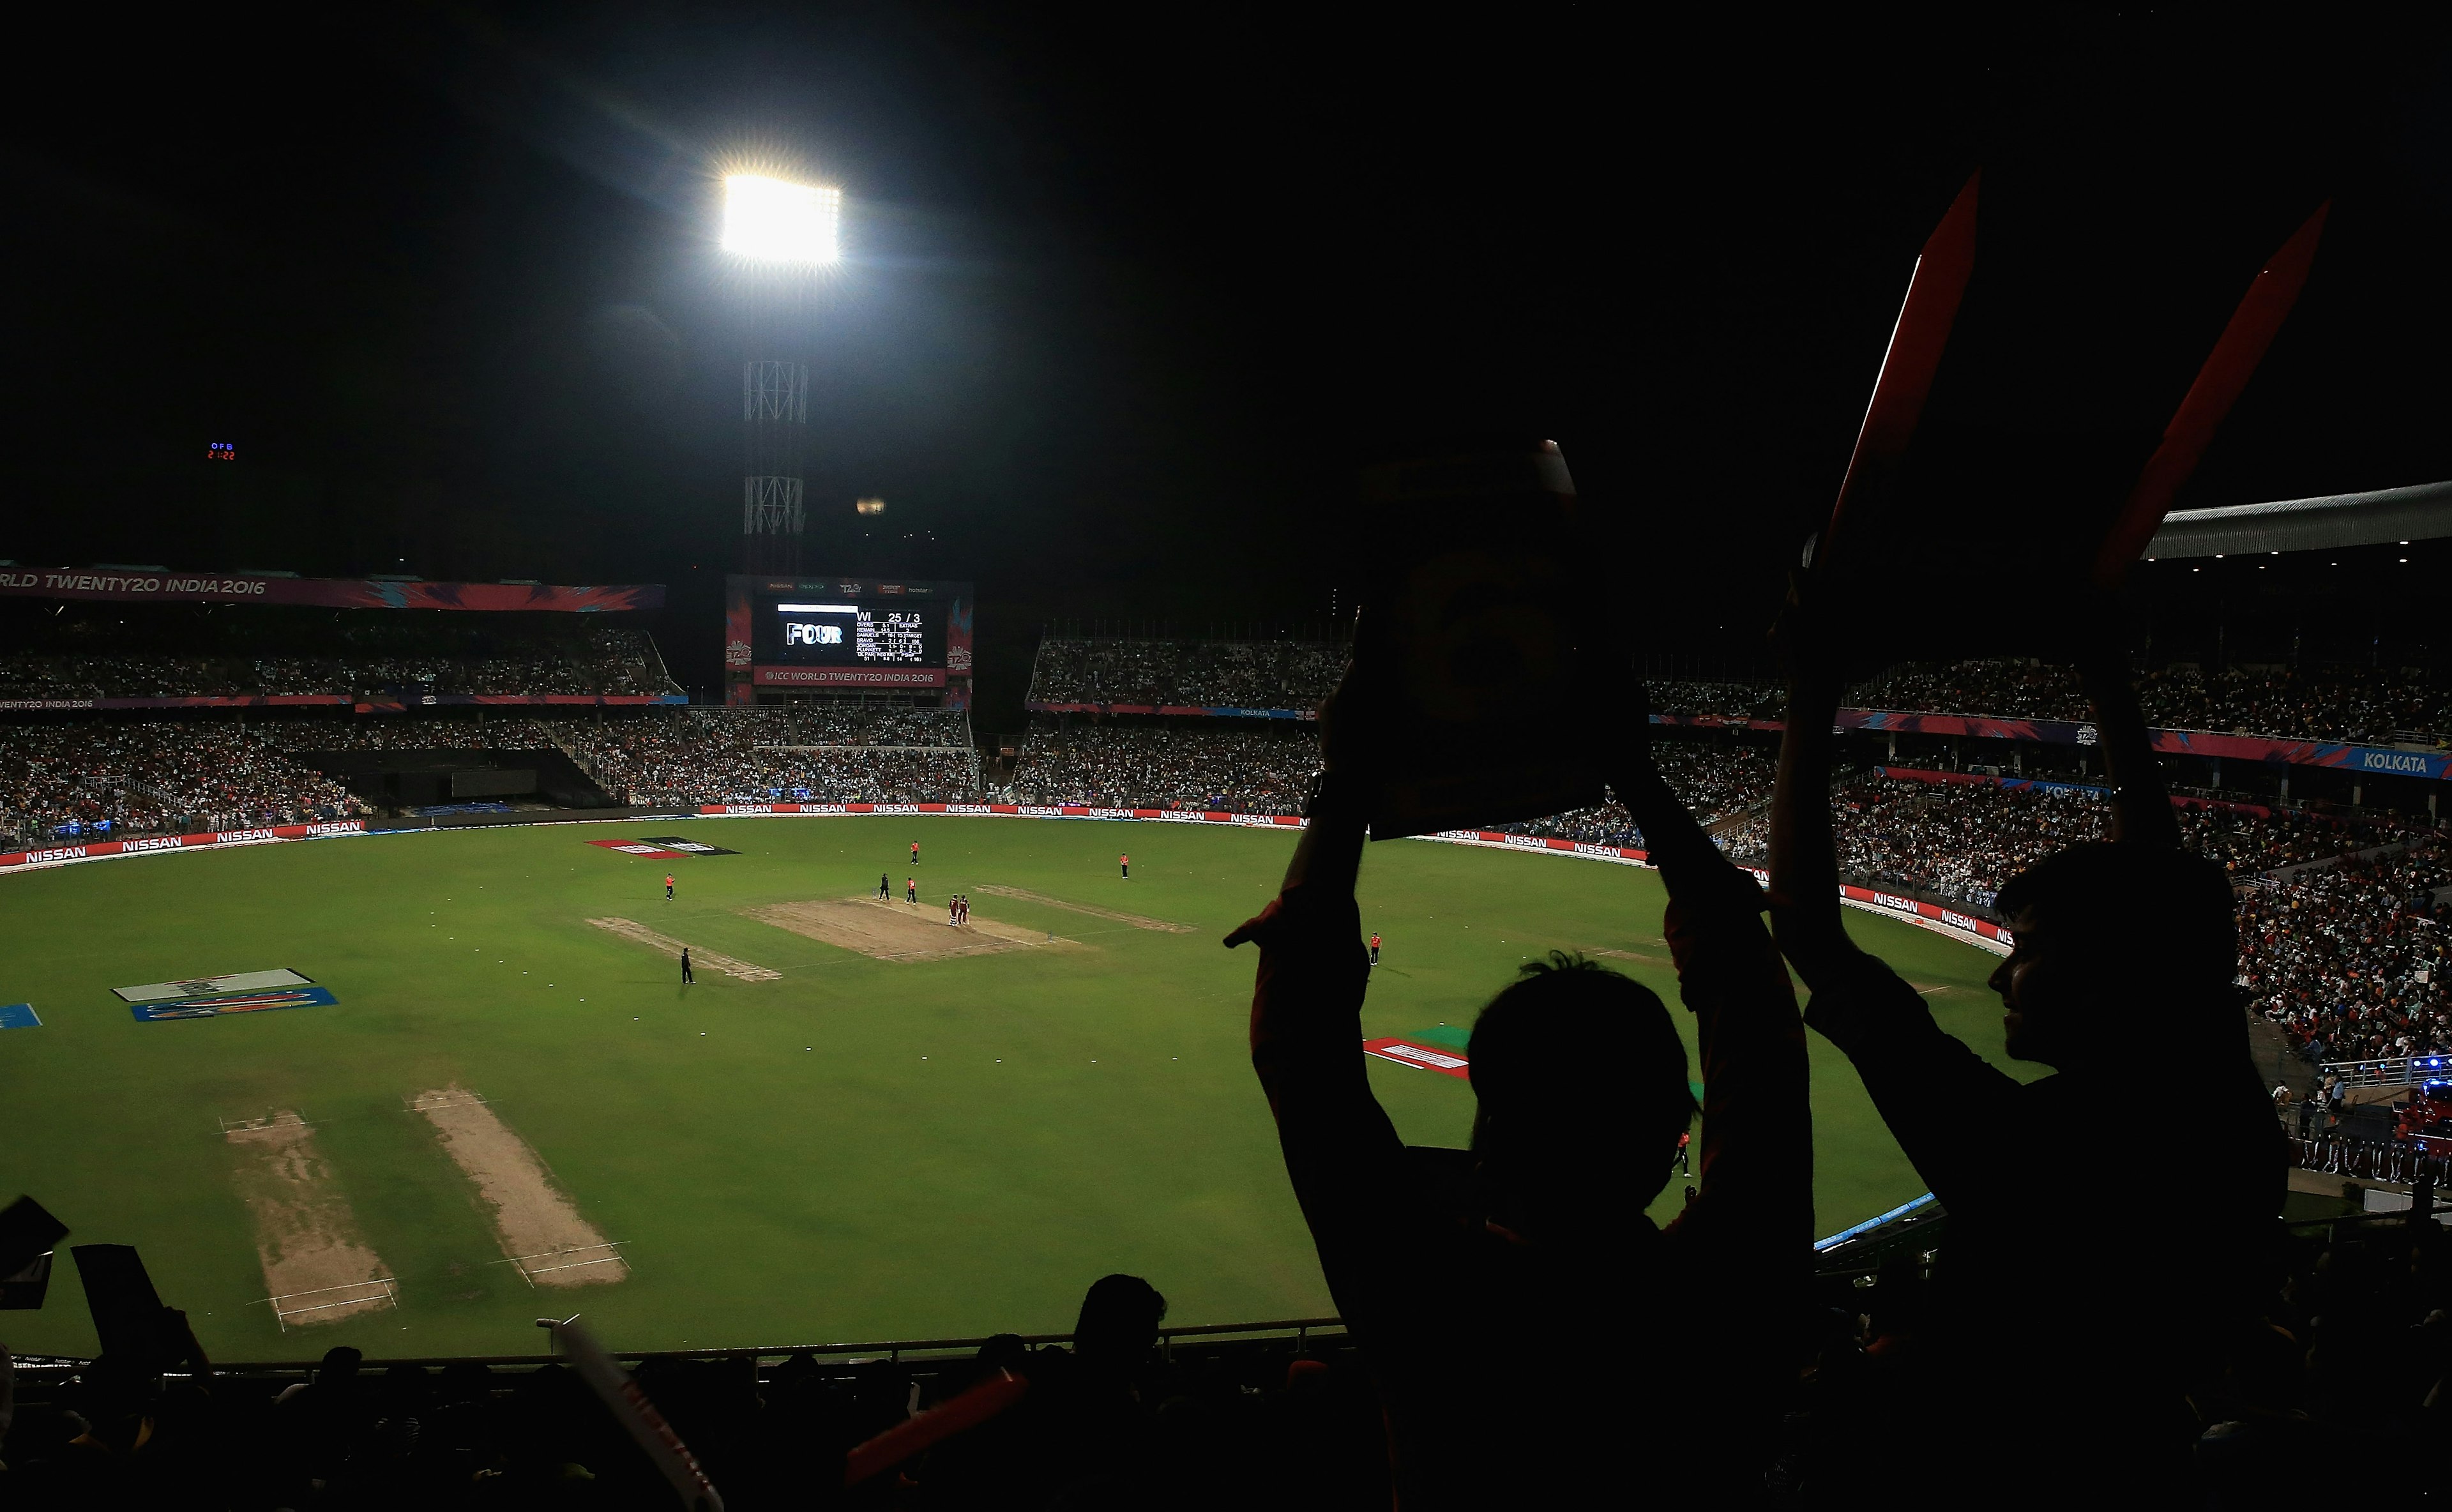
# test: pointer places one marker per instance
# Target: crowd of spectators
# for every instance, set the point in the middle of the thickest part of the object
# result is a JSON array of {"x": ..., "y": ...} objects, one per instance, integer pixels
[
  {"x": 363, "y": 661},
  {"x": 837, "y": 722},
  {"x": 2355, "y": 961},
  {"x": 1958, "y": 842},
  {"x": 1105, "y": 1419},
  {"x": 1714, "y": 781},
  {"x": 398, "y": 733},
  {"x": 2345, "y": 1363},
  {"x": 104, "y": 778},
  {"x": 2351, "y": 704},
  {"x": 721, "y": 756},
  {"x": 1237, "y": 771},
  {"x": 1722, "y": 699},
  {"x": 1188, "y": 674}
]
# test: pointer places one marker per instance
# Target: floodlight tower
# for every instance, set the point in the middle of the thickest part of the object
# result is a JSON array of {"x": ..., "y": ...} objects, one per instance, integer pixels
[{"x": 789, "y": 231}]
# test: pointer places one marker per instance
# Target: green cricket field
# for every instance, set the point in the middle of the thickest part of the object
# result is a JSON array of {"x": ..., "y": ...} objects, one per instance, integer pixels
[{"x": 856, "y": 1124}]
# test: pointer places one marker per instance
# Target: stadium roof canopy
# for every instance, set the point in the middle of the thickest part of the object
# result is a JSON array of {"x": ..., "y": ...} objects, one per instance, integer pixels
[{"x": 2381, "y": 517}]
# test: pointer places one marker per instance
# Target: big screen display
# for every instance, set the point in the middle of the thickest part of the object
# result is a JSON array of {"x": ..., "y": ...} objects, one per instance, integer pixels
[
  {"x": 849, "y": 633},
  {"x": 844, "y": 633}
]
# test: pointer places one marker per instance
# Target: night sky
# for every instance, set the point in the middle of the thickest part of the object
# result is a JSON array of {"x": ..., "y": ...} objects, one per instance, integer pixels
[{"x": 1129, "y": 294}]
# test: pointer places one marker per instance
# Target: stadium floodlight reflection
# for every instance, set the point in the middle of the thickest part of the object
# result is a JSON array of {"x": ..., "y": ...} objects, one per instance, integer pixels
[{"x": 773, "y": 221}]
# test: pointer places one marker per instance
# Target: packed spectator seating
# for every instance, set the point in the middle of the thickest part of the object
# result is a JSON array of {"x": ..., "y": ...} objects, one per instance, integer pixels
[
  {"x": 1107, "y": 1420},
  {"x": 2355, "y": 961},
  {"x": 747, "y": 756},
  {"x": 401, "y": 733},
  {"x": 2358, "y": 705},
  {"x": 1712, "y": 780},
  {"x": 1958, "y": 842},
  {"x": 1188, "y": 674},
  {"x": 2347, "y": 1353},
  {"x": 1241, "y": 771},
  {"x": 368, "y": 658},
  {"x": 838, "y": 722},
  {"x": 104, "y": 778},
  {"x": 2354, "y": 705},
  {"x": 1723, "y": 700}
]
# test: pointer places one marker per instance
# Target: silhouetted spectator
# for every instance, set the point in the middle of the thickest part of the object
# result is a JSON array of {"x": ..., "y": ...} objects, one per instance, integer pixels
[
  {"x": 2124, "y": 958},
  {"x": 1581, "y": 1086}
]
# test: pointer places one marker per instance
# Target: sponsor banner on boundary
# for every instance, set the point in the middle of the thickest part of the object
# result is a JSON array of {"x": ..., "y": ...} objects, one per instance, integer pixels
[
  {"x": 96, "y": 849},
  {"x": 1499, "y": 840},
  {"x": 1025, "y": 811},
  {"x": 208, "y": 986},
  {"x": 1421, "y": 1057},
  {"x": 1982, "y": 933},
  {"x": 233, "y": 1003},
  {"x": 1927, "y": 915}
]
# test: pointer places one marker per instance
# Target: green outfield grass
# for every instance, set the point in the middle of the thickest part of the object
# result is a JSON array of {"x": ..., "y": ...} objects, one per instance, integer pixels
[{"x": 862, "y": 1149}]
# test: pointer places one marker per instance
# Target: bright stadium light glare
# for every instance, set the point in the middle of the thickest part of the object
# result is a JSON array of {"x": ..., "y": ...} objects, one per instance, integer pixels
[{"x": 776, "y": 221}]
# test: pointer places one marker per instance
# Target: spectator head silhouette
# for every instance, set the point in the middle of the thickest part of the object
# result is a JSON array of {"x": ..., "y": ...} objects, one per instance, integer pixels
[
  {"x": 2117, "y": 946},
  {"x": 1118, "y": 1322},
  {"x": 1581, "y": 1086}
]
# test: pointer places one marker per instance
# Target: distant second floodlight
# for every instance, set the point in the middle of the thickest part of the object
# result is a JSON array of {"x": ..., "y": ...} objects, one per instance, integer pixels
[{"x": 776, "y": 221}]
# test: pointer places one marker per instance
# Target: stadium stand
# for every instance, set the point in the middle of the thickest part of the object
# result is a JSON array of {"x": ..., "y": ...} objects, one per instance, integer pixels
[
  {"x": 1186, "y": 675},
  {"x": 1716, "y": 782},
  {"x": 1720, "y": 699},
  {"x": 110, "y": 778},
  {"x": 364, "y": 656},
  {"x": 395, "y": 734},
  {"x": 802, "y": 753},
  {"x": 2355, "y": 961},
  {"x": 1958, "y": 841},
  {"x": 1203, "y": 1417},
  {"x": 1165, "y": 767},
  {"x": 2366, "y": 704}
]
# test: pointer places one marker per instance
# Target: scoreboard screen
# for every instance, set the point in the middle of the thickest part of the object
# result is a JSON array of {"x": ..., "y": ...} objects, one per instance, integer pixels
[
  {"x": 811, "y": 633},
  {"x": 819, "y": 634}
]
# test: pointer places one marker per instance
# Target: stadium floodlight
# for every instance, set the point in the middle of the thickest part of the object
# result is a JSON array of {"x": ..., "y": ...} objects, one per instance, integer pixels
[{"x": 776, "y": 221}]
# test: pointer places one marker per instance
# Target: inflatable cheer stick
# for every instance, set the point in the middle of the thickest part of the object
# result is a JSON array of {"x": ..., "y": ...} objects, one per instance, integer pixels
[
  {"x": 967, "y": 1410},
  {"x": 2252, "y": 328},
  {"x": 1934, "y": 290},
  {"x": 637, "y": 1415}
]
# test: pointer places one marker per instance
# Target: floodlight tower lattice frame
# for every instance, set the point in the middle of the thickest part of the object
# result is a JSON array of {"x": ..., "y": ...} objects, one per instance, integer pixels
[{"x": 775, "y": 428}]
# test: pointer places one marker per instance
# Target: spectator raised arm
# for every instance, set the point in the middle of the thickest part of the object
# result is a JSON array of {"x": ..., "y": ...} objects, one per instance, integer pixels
[
  {"x": 2122, "y": 959},
  {"x": 1464, "y": 1300}
]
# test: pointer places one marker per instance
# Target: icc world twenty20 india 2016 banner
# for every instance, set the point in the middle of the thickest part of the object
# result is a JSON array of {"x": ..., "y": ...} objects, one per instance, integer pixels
[{"x": 141, "y": 586}]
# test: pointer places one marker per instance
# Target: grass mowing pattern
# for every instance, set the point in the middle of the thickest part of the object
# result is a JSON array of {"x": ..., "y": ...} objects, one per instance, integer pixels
[{"x": 968, "y": 1144}]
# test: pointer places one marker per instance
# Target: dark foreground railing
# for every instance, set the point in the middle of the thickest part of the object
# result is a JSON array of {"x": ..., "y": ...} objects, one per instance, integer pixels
[{"x": 1296, "y": 1332}]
